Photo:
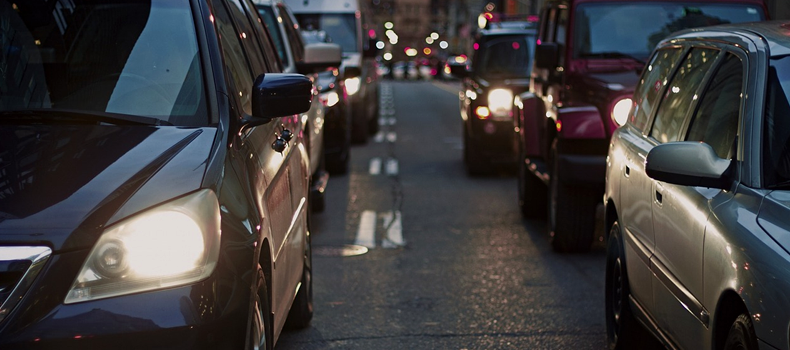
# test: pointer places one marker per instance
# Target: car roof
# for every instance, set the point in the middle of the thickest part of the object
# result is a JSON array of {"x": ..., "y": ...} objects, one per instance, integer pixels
[
  {"x": 775, "y": 34},
  {"x": 508, "y": 31}
]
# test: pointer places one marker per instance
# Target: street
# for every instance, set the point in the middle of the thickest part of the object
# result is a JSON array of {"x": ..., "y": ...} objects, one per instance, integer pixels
[{"x": 455, "y": 266}]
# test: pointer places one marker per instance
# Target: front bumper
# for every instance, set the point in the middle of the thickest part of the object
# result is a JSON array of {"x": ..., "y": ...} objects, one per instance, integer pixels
[
  {"x": 492, "y": 139},
  {"x": 211, "y": 314}
]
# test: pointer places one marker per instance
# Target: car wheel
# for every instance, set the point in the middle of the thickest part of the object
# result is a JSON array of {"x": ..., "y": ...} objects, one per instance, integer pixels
[
  {"x": 475, "y": 165},
  {"x": 302, "y": 309},
  {"x": 741, "y": 335},
  {"x": 620, "y": 322},
  {"x": 571, "y": 212},
  {"x": 531, "y": 192},
  {"x": 260, "y": 330}
]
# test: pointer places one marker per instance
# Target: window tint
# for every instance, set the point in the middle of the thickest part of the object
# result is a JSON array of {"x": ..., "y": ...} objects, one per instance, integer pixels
[
  {"x": 247, "y": 37},
  {"x": 267, "y": 14},
  {"x": 653, "y": 79},
  {"x": 292, "y": 30},
  {"x": 716, "y": 121},
  {"x": 561, "y": 33},
  {"x": 506, "y": 56},
  {"x": 235, "y": 59},
  {"x": 776, "y": 151},
  {"x": 681, "y": 93}
]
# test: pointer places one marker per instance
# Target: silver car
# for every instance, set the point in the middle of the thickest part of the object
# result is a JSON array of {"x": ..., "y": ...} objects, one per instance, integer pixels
[{"x": 697, "y": 200}]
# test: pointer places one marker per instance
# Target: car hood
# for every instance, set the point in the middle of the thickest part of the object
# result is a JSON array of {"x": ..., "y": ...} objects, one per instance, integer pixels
[{"x": 61, "y": 185}]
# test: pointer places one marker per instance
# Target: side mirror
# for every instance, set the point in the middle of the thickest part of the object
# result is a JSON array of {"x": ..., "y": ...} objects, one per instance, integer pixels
[
  {"x": 351, "y": 72},
  {"x": 370, "y": 50},
  {"x": 320, "y": 57},
  {"x": 688, "y": 163},
  {"x": 280, "y": 94},
  {"x": 547, "y": 55}
]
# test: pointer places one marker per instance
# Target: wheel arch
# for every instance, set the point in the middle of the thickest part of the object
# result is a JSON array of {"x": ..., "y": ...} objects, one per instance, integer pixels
[
  {"x": 266, "y": 263},
  {"x": 729, "y": 307},
  {"x": 610, "y": 216}
]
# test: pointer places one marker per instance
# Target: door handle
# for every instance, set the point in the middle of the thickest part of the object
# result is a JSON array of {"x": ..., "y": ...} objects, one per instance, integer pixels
[
  {"x": 627, "y": 171},
  {"x": 659, "y": 197}
]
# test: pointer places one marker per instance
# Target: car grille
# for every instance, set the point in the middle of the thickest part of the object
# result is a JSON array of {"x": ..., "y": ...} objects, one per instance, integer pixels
[{"x": 19, "y": 266}]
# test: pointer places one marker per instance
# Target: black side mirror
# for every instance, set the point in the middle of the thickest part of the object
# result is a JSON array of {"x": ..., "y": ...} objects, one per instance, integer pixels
[
  {"x": 351, "y": 72},
  {"x": 370, "y": 50},
  {"x": 547, "y": 55},
  {"x": 688, "y": 163},
  {"x": 280, "y": 94},
  {"x": 320, "y": 57}
]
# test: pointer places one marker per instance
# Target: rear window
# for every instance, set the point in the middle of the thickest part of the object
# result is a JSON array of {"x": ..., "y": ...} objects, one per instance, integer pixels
[
  {"x": 340, "y": 27},
  {"x": 126, "y": 57},
  {"x": 506, "y": 56}
]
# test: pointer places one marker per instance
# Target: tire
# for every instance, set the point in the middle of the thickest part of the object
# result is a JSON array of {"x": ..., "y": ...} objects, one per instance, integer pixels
[
  {"x": 741, "y": 335},
  {"x": 571, "y": 213},
  {"x": 532, "y": 192},
  {"x": 622, "y": 329},
  {"x": 475, "y": 165},
  {"x": 337, "y": 163},
  {"x": 260, "y": 333},
  {"x": 301, "y": 312}
]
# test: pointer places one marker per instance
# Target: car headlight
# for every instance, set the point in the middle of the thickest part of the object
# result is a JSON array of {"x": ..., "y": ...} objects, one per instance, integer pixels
[
  {"x": 500, "y": 102},
  {"x": 621, "y": 110},
  {"x": 173, "y": 244},
  {"x": 352, "y": 85},
  {"x": 329, "y": 99}
]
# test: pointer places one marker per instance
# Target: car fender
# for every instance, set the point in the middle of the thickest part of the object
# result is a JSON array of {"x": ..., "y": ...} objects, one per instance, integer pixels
[{"x": 580, "y": 122}]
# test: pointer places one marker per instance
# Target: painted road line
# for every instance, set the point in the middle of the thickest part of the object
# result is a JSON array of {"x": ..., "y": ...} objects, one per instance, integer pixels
[
  {"x": 392, "y": 167},
  {"x": 392, "y": 136},
  {"x": 375, "y": 166},
  {"x": 366, "y": 233},
  {"x": 394, "y": 235},
  {"x": 379, "y": 137}
]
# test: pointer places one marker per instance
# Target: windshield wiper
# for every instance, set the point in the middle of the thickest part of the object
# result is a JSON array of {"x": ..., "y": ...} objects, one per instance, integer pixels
[
  {"x": 65, "y": 116},
  {"x": 612, "y": 54}
]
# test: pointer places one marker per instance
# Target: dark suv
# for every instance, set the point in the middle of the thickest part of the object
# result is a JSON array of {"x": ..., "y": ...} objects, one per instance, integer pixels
[
  {"x": 589, "y": 57},
  {"x": 499, "y": 70},
  {"x": 153, "y": 177}
]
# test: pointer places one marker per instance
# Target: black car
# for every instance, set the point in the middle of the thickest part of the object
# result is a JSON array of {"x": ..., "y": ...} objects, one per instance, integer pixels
[
  {"x": 153, "y": 181},
  {"x": 499, "y": 70}
]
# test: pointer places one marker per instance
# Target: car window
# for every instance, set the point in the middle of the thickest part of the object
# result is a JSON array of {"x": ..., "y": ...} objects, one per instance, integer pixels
[
  {"x": 248, "y": 41},
  {"x": 341, "y": 27},
  {"x": 776, "y": 159},
  {"x": 634, "y": 28},
  {"x": 650, "y": 86},
  {"x": 681, "y": 92},
  {"x": 292, "y": 31},
  {"x": 507, "y": 56},
  {"x": 236, "y": 61},
  {"x": 549, "y": 28},
  {"x": 560, "y": 34},
  {"x": 716, "y": 120},
  {"x": 83, "y": 63},
  {"x": 267, "y": 14}
]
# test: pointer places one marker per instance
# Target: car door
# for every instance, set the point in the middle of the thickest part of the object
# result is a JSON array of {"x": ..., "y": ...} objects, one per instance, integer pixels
[
  {"x": 270, "y": 170},
  {"x": 681, "y": 213},
  {"x": 635, "y": 208}
]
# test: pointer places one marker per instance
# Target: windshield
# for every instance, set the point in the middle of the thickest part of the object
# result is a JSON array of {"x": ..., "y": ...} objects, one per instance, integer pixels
[
  {"x": 341, "y": 27},
  {"x": 634, "y": 29},
  {"x": 508, "y": 56},
  {"x": 267, "y": 14},
  {"x": 127, "y": 57}
]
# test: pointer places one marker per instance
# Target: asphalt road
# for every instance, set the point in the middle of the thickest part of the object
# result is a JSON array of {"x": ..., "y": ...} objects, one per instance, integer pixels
[{"x": 450, "y": 263}]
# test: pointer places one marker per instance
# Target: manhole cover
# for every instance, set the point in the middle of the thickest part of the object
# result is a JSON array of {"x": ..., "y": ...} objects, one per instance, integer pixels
[{"x": 344, "y": 250}]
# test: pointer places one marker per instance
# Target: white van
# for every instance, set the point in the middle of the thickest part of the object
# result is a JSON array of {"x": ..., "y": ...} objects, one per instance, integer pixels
[{"x": 343, "y": 21}]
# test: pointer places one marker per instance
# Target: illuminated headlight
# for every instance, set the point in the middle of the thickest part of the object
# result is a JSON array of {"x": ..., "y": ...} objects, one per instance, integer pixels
[
  {"x": 352, "y": 85},
  {"x": 174, "y": 244},
  {"x": 620, "y": 111},
  {"x": 500, "y": 102},
  {"x": 329, "y": 99}
]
